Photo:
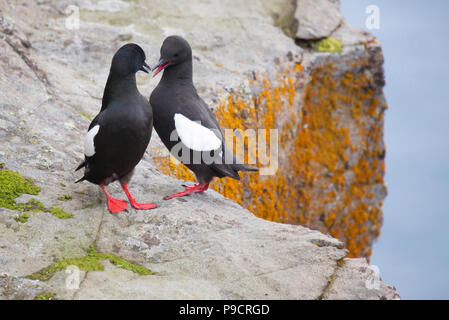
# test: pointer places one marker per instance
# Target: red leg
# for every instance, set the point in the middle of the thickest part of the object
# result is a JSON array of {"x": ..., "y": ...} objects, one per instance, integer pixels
[
  {"x": 197, "y": 188},
  {"x": 134, "y": 203},
  {"x": 114, "y": 205}
]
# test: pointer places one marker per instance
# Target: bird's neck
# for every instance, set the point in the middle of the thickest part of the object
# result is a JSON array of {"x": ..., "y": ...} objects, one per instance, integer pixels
[
  {"x": 178, "y": 73},
  {"x": 117, "y": 87}
]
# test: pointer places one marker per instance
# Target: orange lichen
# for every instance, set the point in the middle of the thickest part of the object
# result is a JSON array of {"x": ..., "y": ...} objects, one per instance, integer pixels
[
  {"x": 172, "y": 167},
  {"x": 330, "y": 152}
]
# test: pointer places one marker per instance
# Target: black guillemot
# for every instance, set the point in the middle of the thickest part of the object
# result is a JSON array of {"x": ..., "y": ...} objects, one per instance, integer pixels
[
  {"x": 119, "y": 135},
  {"x": 185, "y": 123}
]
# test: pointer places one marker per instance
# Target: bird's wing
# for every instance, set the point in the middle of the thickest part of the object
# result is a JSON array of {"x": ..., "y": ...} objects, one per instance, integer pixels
[
  {"x": 195, "y": 135},
  {"x": 210, "y": 121},
  {"x": 89, "y": 146}
]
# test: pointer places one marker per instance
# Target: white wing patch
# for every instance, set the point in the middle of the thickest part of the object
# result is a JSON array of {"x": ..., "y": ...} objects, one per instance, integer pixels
[
  {"x": 89, "y": 147},
  {"x": 194, "y": 135}
]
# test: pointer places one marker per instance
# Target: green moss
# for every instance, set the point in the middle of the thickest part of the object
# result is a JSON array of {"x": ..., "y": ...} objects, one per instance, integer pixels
[
  {"x": 32, "y": 205},
  {"x": 66, "y": 197},
  {"x": 329, "y": 44},
  {"x": 87, "y": 116},
  {"x": 22, "y": 218},
  {"x": 124, "y": 264},
  {"x": 13, "y": 185},
  {"x": 90, "y": 262},
  {"x": 60, "y": 213},
  {"x": 45, "y": 296},
  {"x": 341, "y": 262},
  {"x": 328, "y": 285}
]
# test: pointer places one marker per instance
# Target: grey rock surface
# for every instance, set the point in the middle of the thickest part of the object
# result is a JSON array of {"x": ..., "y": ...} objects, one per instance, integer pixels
[
  {"x": 367, "y": 285},
  {"x": 351, "y": 36},
  {"x": 201, "y": 247},
  {"x": 316, "y": 19}
]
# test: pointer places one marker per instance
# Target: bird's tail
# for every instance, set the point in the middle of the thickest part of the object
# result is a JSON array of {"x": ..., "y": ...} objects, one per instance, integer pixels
[
  {"x": 231, "y": 170},
  {"x": 80, "y": 180},
  {"x": 81, "y": 165},
  {"x": 244, "y": 167}
]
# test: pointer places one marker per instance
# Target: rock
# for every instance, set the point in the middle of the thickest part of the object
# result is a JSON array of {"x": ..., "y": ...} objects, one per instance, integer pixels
[
  {"x": 20, "y": 289},
  {"x": 367, "y": 285},
  {"x": 352, "y": 36},
  {"x": 233, "y": 254},
  {"x": 200, "y": 247},
  {"x": 316, "y": 19},
  {"x": 125, "y": 37}
]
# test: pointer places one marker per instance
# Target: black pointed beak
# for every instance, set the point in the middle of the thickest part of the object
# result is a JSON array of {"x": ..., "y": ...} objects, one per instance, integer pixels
[
  {"x": 161, "y": 65},
  {"x": 144, "y": 68}
]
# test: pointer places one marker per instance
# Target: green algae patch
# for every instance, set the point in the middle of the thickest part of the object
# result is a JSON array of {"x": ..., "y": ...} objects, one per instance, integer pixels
[
  {"x": 22, "y": 218},
  {"x": 66, "y": 197},
  {"x": 60, "y": 213},
  {"x": 45, "y": 296},
  {"x": 90, "y": 262},
  {"x": 13, "y": 185}
]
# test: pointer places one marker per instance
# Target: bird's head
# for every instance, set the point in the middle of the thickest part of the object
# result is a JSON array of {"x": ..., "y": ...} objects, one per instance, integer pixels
[
  {"x": 174, "y": 50},
  {"x": 128, "y": 60}
]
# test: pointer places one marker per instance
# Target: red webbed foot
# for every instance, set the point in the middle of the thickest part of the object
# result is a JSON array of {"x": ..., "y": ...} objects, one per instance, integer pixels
[
  {"x": 143, "y": 206},
  {"x": 114, "y": 205},
  {"x": 117, "y": 205},
  {"x": 197, "y": 188},
  {"x": 134, "y": 203}
]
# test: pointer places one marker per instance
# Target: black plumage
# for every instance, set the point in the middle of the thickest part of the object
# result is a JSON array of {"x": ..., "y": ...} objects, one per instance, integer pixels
[
  {"x": 119, "y": 135},
  {"x": 176, "y": 94}
]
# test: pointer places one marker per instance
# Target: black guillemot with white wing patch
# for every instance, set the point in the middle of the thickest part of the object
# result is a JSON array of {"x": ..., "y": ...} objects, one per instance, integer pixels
[
  {"x": 185, "y": 123},
  {"x": 119, "y": 135}
]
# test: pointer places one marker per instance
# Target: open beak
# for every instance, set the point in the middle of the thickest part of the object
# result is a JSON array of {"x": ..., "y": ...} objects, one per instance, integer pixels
[
  {"x": 144, "y": 68},
  {"x": 161, "y": 65}
]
